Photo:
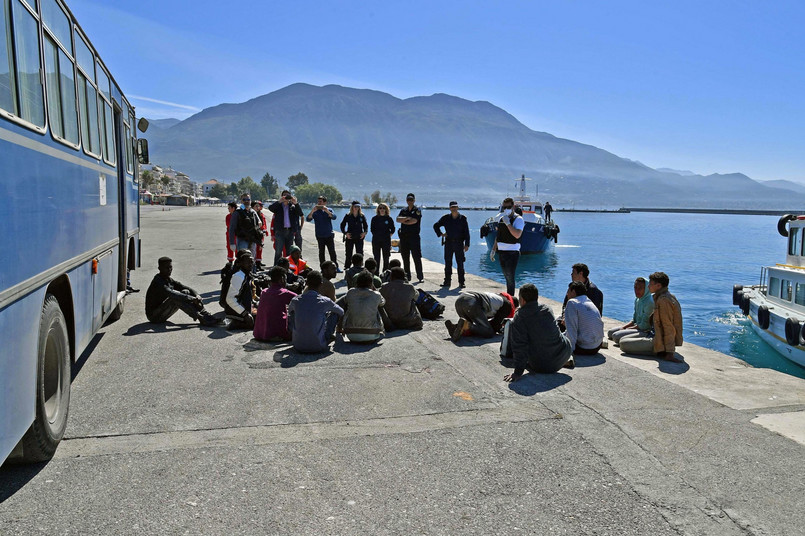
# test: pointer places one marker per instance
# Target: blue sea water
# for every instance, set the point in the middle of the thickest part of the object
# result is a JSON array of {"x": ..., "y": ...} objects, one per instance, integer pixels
[{"x": 704, "y": 255}]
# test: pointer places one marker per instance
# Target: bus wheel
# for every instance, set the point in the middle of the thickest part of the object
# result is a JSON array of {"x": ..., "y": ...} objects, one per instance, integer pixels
[{"x": 52, "y": 385}]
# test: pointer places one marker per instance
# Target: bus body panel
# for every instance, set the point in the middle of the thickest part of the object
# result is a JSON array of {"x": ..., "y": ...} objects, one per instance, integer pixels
[{"x": 18, "y": 380}]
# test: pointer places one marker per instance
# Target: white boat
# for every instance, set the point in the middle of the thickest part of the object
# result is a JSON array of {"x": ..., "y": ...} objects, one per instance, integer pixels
[{"x": 776, "y": 305}]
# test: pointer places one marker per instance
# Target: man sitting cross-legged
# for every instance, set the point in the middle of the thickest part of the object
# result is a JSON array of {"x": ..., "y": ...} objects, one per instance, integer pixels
[
  {"x": 271, "y": 323},
  {"x": 537, "y": 343},
  {"x": 312, "y": 318}
]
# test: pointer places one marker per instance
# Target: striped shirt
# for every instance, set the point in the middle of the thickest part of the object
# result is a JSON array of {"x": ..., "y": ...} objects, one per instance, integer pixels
[{"x": 583, "y": 322}]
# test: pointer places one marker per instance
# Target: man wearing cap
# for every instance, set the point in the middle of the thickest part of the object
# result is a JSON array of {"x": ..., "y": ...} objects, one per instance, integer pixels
[
  {"x": 410, "y": 218},
  {"x": 456, "y": 237},
  {"x": 244, "y": 227},
  {"x": 165, "y": 296},
  {"x": 286, "y": 222},
  {"x": 296, "y": 264},
  {"x": 322, "y": 218}
]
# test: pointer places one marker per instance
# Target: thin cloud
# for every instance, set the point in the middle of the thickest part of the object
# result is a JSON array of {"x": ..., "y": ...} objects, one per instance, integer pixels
[{"x": 166, "y": 103}]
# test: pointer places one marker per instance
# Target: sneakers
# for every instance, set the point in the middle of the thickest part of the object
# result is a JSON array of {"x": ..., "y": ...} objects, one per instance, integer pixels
[
  {"x": 571, "y": 363},
  {"x": 131, "y": 290},
  {"x": 457, "y": 329},
  {"x": 462, "y": 285},
  {"x": 208, "y": 319}
]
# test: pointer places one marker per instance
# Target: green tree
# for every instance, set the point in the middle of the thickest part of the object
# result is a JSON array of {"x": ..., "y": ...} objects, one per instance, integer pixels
[
  {"x": 390, "y": 198},
  {"x": 219, "y": 191},
  {"x": 146, "y": 178},
  {"x": 375, "y": 197},
  {"x": 232, "y": 189},
  {"x": 247, "y": 184},
  {"x": 271, "y": 185},
  {"x": 165, "y": 181},
  {"x": 309, "y": 193},
  {"x": 295, "y": 181},
  {"x": 367, "y": 200}
]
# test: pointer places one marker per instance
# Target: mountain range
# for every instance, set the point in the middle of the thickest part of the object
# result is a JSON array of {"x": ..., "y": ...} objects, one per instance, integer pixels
[{"x": 442, "y": 147}]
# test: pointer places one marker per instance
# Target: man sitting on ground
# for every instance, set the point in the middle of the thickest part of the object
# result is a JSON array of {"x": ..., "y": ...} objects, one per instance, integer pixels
[
  {"x": 580, "y": 272},
  {"x": 294, "y": 283},
  {"x": 363, "y": 310},
  {"x": 295, "y": 262},
  {"x": 667, "y": 320},
  {"x": 271, "y": 323},
  {"x": 239, "y": 299},
  {"x": 640, "y": 323},
  {"x": 393, "y": 263},
  {"x": 585, "y": 328},
  {"x": 536, "y": 342},
  {"x": 400, "y": 296},
  {"x": 165, "y": 296},
  {"x": 312, "y": 318},
  {"x": 329, "y": 270},
  {"x": 355, "y": 269},
  {"x": 481, "y": 314},
  {"x": 370, "y": 265}
]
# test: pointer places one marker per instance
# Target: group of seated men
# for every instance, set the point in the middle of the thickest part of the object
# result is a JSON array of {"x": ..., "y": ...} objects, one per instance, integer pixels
[{"x": 292, "y": 302}]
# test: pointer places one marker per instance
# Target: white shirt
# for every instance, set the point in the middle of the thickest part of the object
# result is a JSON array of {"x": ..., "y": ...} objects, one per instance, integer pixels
[
  {"x": 518, "y": 223},
  {"x": 583, "y": 322}
]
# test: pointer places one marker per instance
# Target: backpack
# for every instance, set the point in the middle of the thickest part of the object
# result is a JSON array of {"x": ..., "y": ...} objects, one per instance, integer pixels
[
  {"x": 428, "y": 306},
  {"x": 505, "y": 344},
  {"x": 249, "y": 226}
]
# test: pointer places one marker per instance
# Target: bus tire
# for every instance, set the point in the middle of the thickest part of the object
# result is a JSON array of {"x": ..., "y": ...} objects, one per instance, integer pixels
[
  {"x": 792, "y": 329},
  {"x": 52, "y": 385},
  {"x": 736, "y": 294},
  {"x": 763, "y": 318},
  {"x": 117, "y": 312}
]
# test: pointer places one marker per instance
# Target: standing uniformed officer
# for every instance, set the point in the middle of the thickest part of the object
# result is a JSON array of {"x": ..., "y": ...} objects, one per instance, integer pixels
[
  {"x": 410, "y": 218},
  {"x": 456, "y": 242}
]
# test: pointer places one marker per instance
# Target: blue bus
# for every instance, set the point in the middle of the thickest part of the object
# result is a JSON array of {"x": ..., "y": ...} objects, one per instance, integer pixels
[{"x": 69, "y": 214}]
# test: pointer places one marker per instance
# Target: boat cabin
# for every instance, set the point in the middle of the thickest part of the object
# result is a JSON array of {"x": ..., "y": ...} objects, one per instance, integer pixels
[{"x": 784, "y": 284}]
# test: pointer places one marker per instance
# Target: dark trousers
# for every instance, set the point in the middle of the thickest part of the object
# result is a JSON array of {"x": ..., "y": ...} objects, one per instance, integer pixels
[
  {"x": 329, "y": 243},
  {"x": 508, "y": 264},
  {"x": 297, "y": 238},
  {"x": 349, "y": 244},
  {"x": 470, "y": 308},
  {"x": 454, "y": 248},
  {"x": 381, "y": 247},
  {"x": 283, "y": 239},
  {"x": 409, "y": 244},
  {"x": 163, "y": 311}
]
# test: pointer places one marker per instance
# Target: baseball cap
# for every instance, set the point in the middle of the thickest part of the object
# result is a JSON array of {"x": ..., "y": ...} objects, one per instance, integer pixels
[
  {"x": 410, "y": 196},
  {"x": 453, "y": 204}
]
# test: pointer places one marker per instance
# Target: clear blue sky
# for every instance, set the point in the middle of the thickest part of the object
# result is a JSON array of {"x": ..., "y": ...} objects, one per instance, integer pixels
[{"x": 712, "y": 87}]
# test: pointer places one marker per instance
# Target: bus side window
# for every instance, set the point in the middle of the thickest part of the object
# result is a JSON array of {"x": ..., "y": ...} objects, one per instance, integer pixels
[
  {"x": 59, "y": 73},
  {"x": 87, "y": 97},
  {"x": 21, "y": 90}
]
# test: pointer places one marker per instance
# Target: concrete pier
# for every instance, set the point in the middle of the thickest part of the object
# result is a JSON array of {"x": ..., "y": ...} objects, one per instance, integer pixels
[{"x": 185, "y": 429}]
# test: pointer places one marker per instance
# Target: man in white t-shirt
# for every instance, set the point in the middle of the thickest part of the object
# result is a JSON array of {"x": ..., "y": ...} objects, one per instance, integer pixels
[{"x": 507, "y": 243}]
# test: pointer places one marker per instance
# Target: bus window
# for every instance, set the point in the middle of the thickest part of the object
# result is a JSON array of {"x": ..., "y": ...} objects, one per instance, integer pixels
[
  {"x": 29, "y": 87},
  {"x": 8, "y": 94},
  {"x": 103, "y": 83},
  {"x": 60, "y": 84},
  {"x": 84, "y": 57},
  {"x": 57, "y": 22},
  {"x": 107, "y": 130}
]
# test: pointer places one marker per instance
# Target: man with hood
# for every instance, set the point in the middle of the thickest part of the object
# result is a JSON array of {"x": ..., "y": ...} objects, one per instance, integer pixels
[{"x": 643, "y": 307}]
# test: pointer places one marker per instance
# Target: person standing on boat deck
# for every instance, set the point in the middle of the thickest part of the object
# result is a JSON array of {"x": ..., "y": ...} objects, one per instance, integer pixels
[
  {"x": 547, "y": 209},
  {"x": 411, "y": 218},
  {"x": 382, "y": 227},
  {"x": 354, "y": 227},
  {"x": 643, "y": 307},
  {"x": 322, "y": 218},
  {"x": 456, "y": 242},
  {"x": 507, "y": 243},
  {"x": 667, "y": 322},
  {"x": 286, "y": 222}
]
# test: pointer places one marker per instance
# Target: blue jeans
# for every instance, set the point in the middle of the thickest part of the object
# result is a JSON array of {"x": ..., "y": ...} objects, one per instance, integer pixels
[{"x": 508, "y": 264}]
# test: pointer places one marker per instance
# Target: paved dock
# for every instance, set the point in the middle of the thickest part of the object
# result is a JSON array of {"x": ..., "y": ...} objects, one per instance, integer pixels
[{"x": 182, "y": 429}]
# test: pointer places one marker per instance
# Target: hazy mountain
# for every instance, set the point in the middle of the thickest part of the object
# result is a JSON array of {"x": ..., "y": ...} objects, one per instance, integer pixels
[
  {"x": 444, "y": 146},
  {"x": 677, "y": 171},
  {"x": 786, "y": 185},
  {"x": 164, "y": 123}
]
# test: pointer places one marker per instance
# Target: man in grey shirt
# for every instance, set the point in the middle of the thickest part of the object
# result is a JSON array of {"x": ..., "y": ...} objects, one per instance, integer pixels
[{"x": 312, "y": 318}]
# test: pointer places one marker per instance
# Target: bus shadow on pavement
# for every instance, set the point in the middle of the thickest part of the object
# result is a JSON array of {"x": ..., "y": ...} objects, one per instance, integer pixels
[
  {"x": 149, "y": 327},
  {"x": 13, "y": 477},
  {"x": 531, "y": 384},
  {"x": 78, "y": 364}
]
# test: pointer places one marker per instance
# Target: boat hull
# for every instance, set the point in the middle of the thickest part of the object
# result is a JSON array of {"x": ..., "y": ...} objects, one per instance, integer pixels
[
  {"x": 533, "y": 240},
  {"x": 774, "y": 335}
]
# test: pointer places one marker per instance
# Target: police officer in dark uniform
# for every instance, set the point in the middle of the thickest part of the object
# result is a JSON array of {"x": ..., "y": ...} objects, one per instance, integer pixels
[
  {"x": 456, "y": 242},
  {"x": 410, "y": 218}
]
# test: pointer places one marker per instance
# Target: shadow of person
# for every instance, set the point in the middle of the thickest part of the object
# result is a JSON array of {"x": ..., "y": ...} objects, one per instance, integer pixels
[
  {"x": 211, "y": 272},
  {"x": 212, "y": 296},
  {"x": 590, "y": 360},
  {"x": 150, "y": 327},
  {"x": 13, "y": 477},
  {"x": 531, "y": 384},
  {"x": 288, "y": 357},
  {"x": 344, "y": 346},
  {"x": 668, "y": 367}
]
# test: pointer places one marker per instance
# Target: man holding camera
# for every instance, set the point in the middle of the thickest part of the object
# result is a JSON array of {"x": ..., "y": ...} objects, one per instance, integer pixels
[
  {"x": 507, "y": 243},
  {"x": 286, "y": 222},
  {"x": 322, "y": 218}
]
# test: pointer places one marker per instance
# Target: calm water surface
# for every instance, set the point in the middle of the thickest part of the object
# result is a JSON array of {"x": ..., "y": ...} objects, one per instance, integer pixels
[{"x": 704, "y": 255}]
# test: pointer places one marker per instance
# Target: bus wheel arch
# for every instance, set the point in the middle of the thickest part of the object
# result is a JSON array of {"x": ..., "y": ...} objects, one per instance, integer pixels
[{"x": 52, "y": 384}]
